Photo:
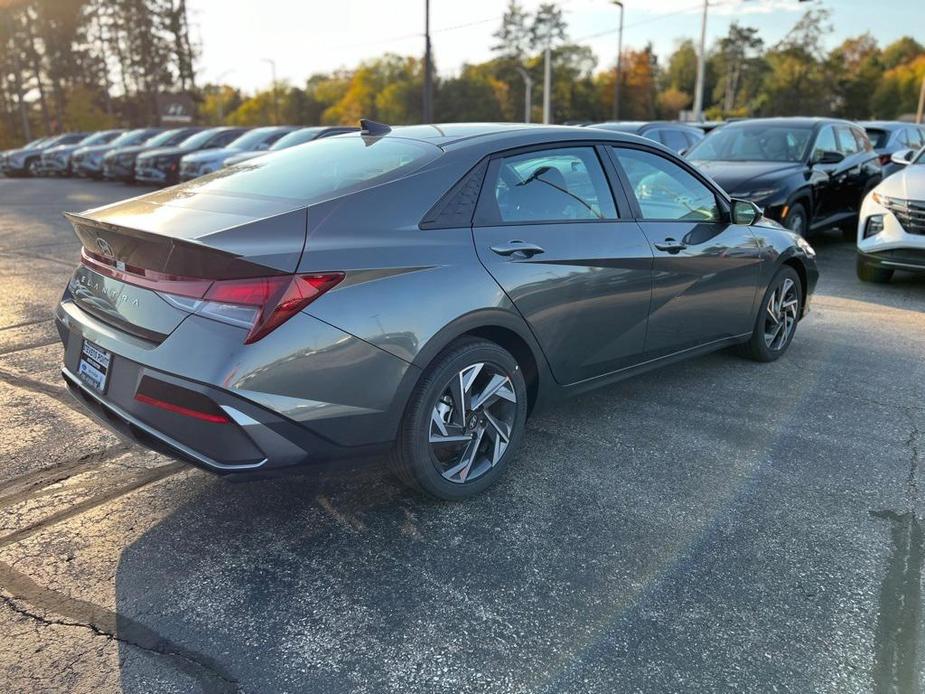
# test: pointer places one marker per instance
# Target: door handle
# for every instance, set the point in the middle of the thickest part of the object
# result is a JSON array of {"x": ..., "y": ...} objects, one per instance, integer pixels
[
  {"x": 511, "y": 247},
  {"x": 670, "y": 245}
]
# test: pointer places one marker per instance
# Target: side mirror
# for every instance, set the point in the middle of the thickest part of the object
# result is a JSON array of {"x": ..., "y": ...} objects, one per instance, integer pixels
[
  {"x": 745, "y": 212},
  {"x": 829, "y": 157},
  {"x": 902, "y": 156}
]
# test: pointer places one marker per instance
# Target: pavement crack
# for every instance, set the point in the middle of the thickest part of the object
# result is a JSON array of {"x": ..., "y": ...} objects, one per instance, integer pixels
[
  {"x": 142, "y": 480},
  {"x": 912, "y": 443},
  {"x": 30, "y": 345},
  {"x": 29, "y": 485},
  {"x": 20, "y": 588}
]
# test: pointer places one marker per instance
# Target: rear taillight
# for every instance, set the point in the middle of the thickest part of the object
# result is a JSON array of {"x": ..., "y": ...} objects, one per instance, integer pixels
[
  {"x": 260, "y": 304},
  {"x": 268, "y": 301}
]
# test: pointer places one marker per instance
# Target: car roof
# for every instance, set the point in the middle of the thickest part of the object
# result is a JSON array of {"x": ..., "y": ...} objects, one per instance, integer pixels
[
  {"x": 887, "y": 124},
  {"x": 797, "y": 121},
  {"x": 503, "y": 135}
]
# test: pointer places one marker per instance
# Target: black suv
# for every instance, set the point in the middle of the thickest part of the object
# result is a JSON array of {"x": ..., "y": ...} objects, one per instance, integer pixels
[{"x": 809, "y": 174}]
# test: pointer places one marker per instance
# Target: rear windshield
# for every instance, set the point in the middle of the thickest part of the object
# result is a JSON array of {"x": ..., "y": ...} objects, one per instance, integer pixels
[
  {"x": 320, "y": 170},
  {"x": 878, "y": 138}
]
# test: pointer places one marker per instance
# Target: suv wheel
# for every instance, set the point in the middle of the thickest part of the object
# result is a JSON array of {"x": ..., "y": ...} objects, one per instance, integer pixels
[
  {"x": 869, "y": 273},
  {"x": 796, "y": 219},
  {"x": 464, "y": 421},
  {"x": 777, "y": 319}
]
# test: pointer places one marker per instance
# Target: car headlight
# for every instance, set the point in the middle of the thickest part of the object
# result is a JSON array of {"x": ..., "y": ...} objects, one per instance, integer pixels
[{"x": 806, "y": 247}]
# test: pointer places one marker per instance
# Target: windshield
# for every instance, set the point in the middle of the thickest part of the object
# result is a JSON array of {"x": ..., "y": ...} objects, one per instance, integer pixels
[
  {"x": 296, "y": 138},
  {"x": 254, "y": 138},
  {"x": 132, "y": 137},
  {"x": 329, "y": 168},
  {"x": 98, "y": 138},
  {"x": 755, "y": 142},
  {"x": 198, "y": 139}
]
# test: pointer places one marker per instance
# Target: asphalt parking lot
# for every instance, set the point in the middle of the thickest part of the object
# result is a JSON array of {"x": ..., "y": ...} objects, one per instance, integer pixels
[{"x": 720, "y": 525}]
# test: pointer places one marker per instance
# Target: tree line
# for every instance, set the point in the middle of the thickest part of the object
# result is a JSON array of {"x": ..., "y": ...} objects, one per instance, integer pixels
[{"x": 89, "y": 64}]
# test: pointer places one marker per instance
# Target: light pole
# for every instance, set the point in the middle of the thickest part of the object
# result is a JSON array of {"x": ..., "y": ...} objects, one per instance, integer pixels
[
  {"x": 528, "y": 93},
  {"x": 428, "y": 106},
  {"x": 619, "y": 76},
  {"x": 275, "y": 100},
  {"x": 547, "y": 81},
  {"x": 221, "y": 95},
  {"x": 701, "y": 65}
]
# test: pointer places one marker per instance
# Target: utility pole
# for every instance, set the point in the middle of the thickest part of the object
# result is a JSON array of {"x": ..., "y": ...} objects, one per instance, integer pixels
[
  {"x": 275, "y": 100},
  {"x": 919, "y": 112},
  {"x": 221, "y": 95},
  {"x": 619, "y": 76},
  {"x": 701, "y": 65},
  {"x": 547, "y": 78},
  {"x": 427, "y": 110},
  {"x": 528, "y": 93}
]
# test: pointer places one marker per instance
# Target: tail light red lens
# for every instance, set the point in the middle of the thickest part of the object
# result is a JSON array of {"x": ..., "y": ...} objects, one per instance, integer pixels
[
  {"x": 276, "y": 299},
  {"x": 260, "y": 304}
]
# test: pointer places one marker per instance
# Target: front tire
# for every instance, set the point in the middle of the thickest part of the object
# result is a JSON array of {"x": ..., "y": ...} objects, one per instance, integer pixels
[
  {"x": 797, "y": 220},
  {"x": 464, "y": 421},
  {"x": 777, "y": 319},
  {"x": 869, "y": 273}
]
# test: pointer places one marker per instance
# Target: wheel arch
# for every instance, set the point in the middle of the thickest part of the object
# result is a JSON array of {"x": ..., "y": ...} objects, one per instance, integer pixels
[{"x": 505, "y": 329}]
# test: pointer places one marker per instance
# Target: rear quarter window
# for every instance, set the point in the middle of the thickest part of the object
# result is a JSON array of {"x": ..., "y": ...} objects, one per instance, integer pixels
[{"x": 321, "y": 169}]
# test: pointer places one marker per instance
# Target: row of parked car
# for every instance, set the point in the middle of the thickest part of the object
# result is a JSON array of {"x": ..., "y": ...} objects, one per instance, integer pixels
[
  {"x": 808, "y": 174},
  {"x": 156, "y": 156}
]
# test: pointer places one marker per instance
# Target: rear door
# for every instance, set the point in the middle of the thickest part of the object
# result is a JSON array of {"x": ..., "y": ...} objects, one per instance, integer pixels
[
  {"x": 705, "y": 270},
  {"x": 569, "y": 256}
]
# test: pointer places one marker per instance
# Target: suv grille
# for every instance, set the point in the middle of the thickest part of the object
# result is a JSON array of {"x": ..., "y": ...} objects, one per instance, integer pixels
[{"x": 910, "y": 213}]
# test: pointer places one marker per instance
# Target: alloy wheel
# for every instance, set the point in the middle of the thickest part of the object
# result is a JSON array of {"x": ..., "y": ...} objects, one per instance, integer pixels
[
  {"x": 472, "y": 422},
  {"x": 781, "y": 315}
]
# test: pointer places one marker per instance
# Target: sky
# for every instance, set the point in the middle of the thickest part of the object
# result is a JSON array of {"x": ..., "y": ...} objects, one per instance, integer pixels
[{"x": 303, "y": 37}]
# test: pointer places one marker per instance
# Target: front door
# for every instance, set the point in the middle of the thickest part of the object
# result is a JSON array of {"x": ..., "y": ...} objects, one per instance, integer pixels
[
  {"x": 547, "y": 230},
  {"x": 705, "y": 270}
]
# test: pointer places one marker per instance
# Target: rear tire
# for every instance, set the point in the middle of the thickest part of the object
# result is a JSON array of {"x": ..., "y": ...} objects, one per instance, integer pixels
[
  {"x": 777, "y": 319},
  {"x": 452, "y": 419},
  {"x": 869, "y": 273}
]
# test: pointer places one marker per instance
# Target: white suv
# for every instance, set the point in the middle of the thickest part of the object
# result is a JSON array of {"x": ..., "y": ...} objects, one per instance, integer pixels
[{"x": 891, "y": 226}]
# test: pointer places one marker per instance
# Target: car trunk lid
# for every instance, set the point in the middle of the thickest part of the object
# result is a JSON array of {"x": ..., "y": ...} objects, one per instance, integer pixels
[{"x": 140, "y": 255}]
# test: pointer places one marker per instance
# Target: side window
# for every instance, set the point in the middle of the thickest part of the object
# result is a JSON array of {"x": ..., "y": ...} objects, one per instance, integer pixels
[
  {"x": 919, "y": 137},
  {"x": 673, "y": 140},
  {"x": 553, "y": 185},
  {"x": 912, "y": 138},
  {"x": 860, "y": 137},
  {"x": 848, "y": 145},
  {"x": 666, "y": 191},
  {"x": 825, "y": 142}
]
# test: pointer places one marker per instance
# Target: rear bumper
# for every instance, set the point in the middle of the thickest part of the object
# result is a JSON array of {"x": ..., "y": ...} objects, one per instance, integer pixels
[{"x": 266, "y": 430}]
